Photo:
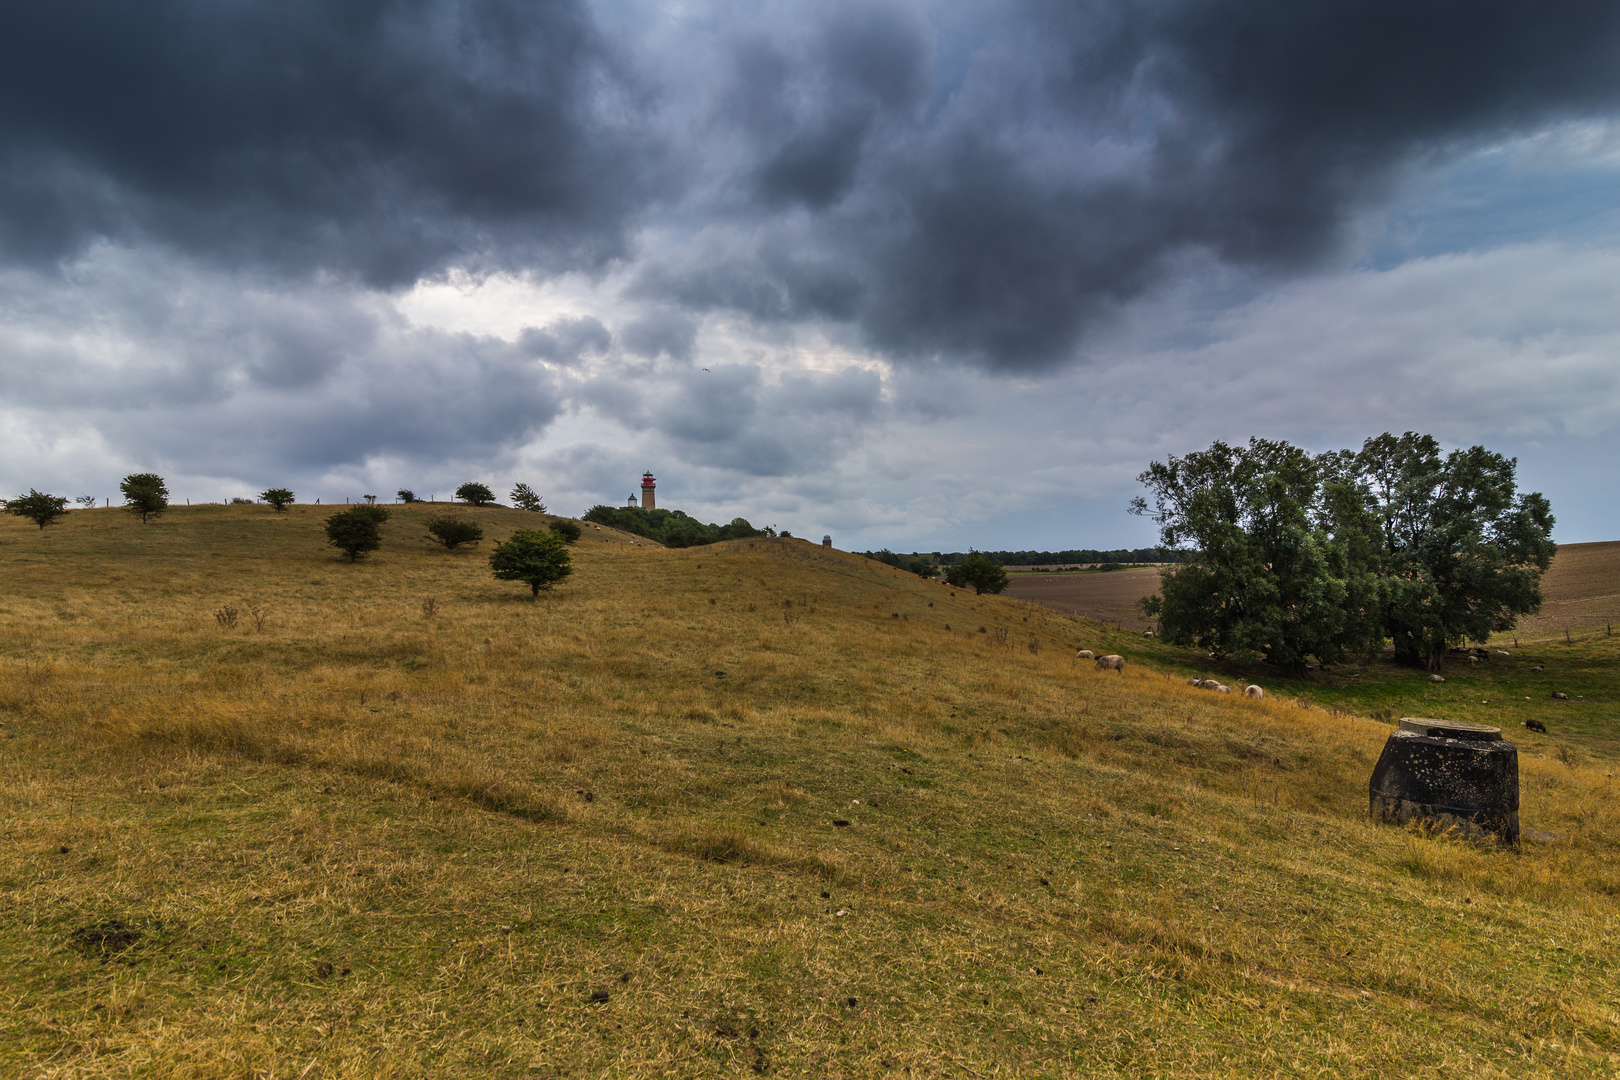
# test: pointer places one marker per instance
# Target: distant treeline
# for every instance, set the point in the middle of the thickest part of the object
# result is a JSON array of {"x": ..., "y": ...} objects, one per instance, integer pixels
[
  {"x": 672, "y": 528},
  {"x": 1065, "y": 558}
]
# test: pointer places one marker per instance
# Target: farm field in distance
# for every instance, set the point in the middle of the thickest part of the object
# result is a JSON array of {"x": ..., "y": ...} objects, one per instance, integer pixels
[
  {"x": 749, "y": 809},
  {"x": 1106, "y": 597}
]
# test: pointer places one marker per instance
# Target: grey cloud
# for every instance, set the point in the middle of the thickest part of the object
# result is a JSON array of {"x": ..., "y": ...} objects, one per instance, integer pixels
[
  {"x": 566, "y": 340},
  {"x": 661, "y": 333},
  {"x": 376, "y": 138},
  {"x": 228, "y": 377}
]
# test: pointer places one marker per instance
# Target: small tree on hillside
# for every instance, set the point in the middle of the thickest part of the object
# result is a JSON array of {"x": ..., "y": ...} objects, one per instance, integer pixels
[
  {"x": 452, "y": 531},
  {"x": 981, "y": 573},
  {"x": 567, "y": 529},
  {"x": 405, "y": 495},
  {"x": 355, "y": 531},
  {"x": 145, "y": 494},
  {"x": 475, "y": 493},
  {"x": 524, "y": 498},
  {"x": 280, "y": 498},
  {"x": 86, "y": 501},
  {"x": 538, "y": 559},
  {"x": 38, "y": 507}
]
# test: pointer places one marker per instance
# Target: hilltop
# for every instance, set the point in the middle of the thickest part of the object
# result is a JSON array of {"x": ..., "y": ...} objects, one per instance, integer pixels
[{"x": 751, "y": 808}]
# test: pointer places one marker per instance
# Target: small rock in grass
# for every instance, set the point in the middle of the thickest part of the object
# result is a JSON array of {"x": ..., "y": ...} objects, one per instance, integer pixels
[
  {"x": 840, "y": 822},
  {"x": 599, "y": 995}
]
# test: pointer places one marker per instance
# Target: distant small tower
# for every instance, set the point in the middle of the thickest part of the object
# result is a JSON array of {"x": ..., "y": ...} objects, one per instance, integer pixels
[
  {"x": 826, "y": 541},
  {"x": 648, "y": 483}
]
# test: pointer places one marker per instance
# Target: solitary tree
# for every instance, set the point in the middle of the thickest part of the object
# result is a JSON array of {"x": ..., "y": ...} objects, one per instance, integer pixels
[
  {"x": 355, "y": 531},
  {"x": 38, "y": 507},
  {"x": 145, "y": 494},
  {"x": 475, "y": 493},
  {"x": 453, "y": 531},
  {"x": 280, "y": 498},
  {"x": 524, "y": 498},
  {"x": 405, "y": 495},
  {"x": 86, "y": 501},
  {"x": 539, "y": 559},
  {"x": 567, "y": 529},
  {"x": 979, "y": 571}
]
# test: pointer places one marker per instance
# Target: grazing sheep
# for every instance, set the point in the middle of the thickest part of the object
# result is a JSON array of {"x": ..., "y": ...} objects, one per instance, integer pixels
[
  {"x": 1220, "y": 689},
  {"x": 1209, "y": 684},
  {"x": 1196, "y": 682},
  {"x": 1253, "y": 691},
  {"x": 1536, "y": 725},
  {"x": 1538, "y": 667},
  {"x": 1500, "y": 652},
  {"x": 1473, "y": 659},
  {"x": 1112, "y": 662},
  {"x": 1149, "y": 633},
  {"x": 1085, "y": 654},
  {"x": 1559, "y": 695},
  {"x": 1437, "y": 678}
]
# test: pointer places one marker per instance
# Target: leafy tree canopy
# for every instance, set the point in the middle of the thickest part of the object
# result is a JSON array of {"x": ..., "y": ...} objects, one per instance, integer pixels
[
  {"x": 1300, "y": 555},
  {"x": 405, "y": 495},
  {"x": 280, "y": 498},
  {"x": 38, "y": 507},
  {"x": 475, "y": 493},
  {"x": 976, "y": 571},
  {"x": 567, "y": 529},
  {"x": 145, "y": 494},
  {"x": 672, "y": 528},
  {"x": 524, "y": 498},
  {"x": 453, "y": 531},
  {"x": 355, "y": 531},
  {"x": 537, "y": 558}
]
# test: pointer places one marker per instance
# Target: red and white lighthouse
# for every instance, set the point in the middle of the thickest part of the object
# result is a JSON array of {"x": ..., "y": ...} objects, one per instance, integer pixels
[{"x": 648, "y": 483}]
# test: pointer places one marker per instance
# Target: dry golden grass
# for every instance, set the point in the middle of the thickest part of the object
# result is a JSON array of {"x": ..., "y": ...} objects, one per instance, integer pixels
[{"x": 369, "y": 841}]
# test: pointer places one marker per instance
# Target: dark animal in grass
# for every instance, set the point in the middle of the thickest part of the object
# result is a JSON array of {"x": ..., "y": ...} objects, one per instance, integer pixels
[{"x": 1536, "y": 725}]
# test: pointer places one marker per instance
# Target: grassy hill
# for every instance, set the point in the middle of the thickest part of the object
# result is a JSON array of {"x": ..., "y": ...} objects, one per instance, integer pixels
[{"x": 750, "y": 808}]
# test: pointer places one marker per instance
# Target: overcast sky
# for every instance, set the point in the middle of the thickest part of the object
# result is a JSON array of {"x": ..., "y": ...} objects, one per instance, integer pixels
[{"x": 918, "y": 275}]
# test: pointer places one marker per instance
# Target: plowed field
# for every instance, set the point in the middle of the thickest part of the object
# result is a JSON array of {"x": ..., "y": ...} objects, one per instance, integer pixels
[
  {"x": 1109, "y": 597},
  {"x": 1580, "y": 592}
]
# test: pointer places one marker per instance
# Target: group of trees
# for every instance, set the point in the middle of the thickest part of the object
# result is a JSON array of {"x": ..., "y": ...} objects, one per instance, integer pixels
[
  {"x": 538, "y": 558},
  {"x": 915, "y": 563},
  {"x": 672, "y": 528},
  {"x": 1297, "y": 555}
]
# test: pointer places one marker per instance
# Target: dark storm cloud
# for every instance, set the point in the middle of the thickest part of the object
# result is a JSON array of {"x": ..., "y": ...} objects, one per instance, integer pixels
[
  {"x": 993, "y": 208},
  {"x": 982, "y": 184},
  {"x": 377, "y": 138}
]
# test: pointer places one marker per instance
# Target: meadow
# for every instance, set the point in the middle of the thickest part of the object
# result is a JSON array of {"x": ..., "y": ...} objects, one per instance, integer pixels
[{"x": 750, "y": 809}]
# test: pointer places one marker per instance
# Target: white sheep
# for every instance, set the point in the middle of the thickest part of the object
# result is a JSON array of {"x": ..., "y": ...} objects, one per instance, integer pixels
[
  {"x": 1112, "y": 662},
  {"x": 1253, "y": 691},
  {"x": 1085, "y": 654}
]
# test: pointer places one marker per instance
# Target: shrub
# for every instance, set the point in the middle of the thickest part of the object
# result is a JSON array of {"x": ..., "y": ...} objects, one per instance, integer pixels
[
  {"x": 237, "y": 500},
  {"x": 38, "y": 507},
  {"x": 452, "y": 531},
  {"x": 524, "y": 498},
  {"x": 145, "y": 494},
  {"x": 280, "y": 498},
  {"x": 354, "y": 531},
  {"x": 538, "y": 559},
  {"x": 86, "y": 501},
  {"x": 567, "y": 529},
  {"x": 983, "y": 574},
  {"x": 475, "y": 493},
  {"x": 406, "y": 495}
]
